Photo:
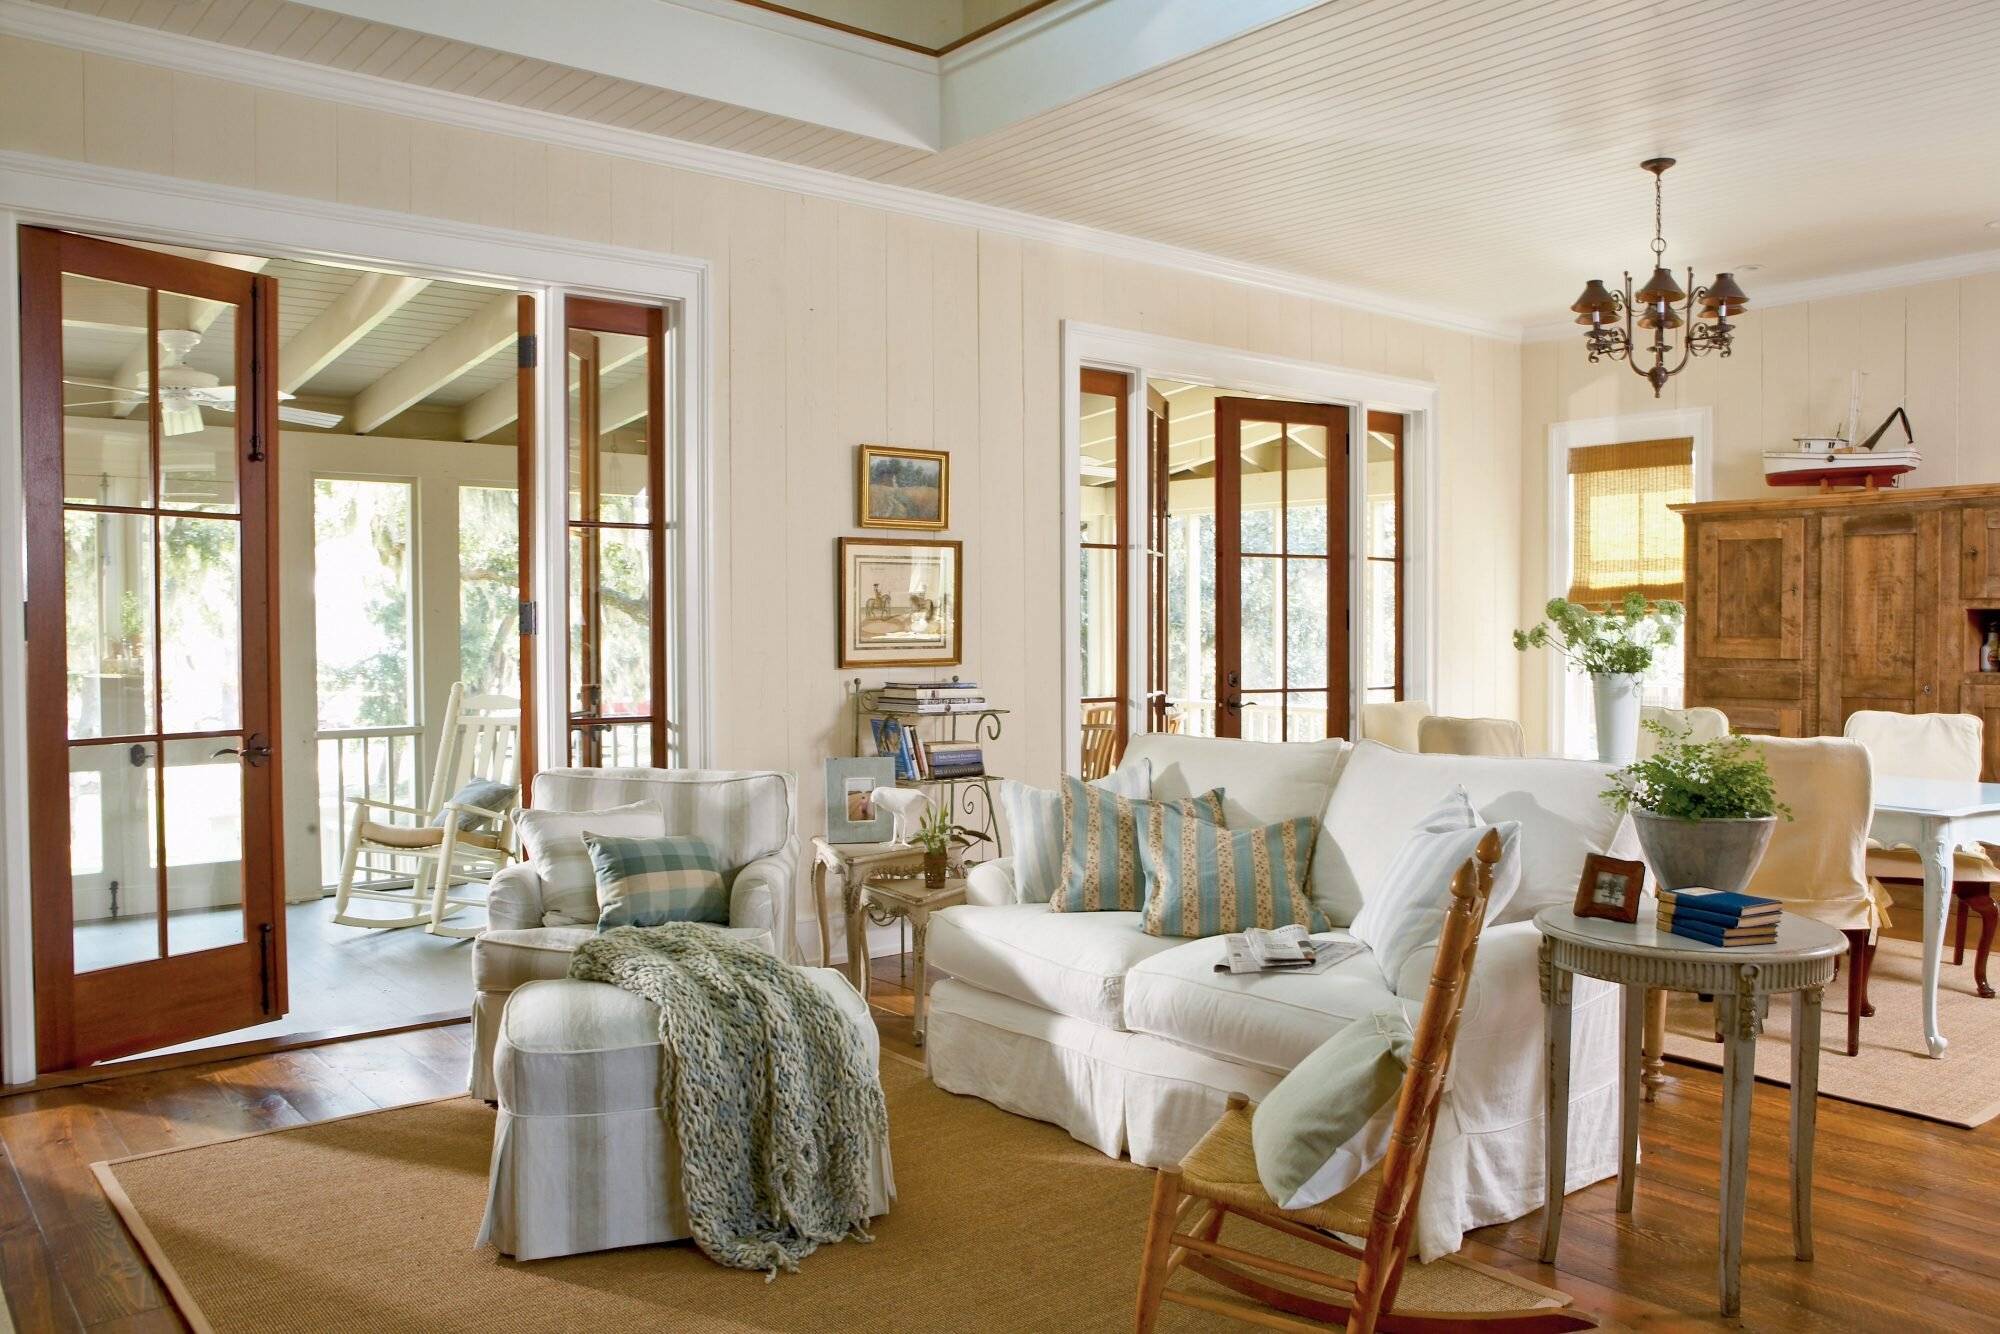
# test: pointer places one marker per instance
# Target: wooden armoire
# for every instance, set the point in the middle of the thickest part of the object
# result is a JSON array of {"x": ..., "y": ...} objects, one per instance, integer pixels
[{"x": 1804, "y": 608}]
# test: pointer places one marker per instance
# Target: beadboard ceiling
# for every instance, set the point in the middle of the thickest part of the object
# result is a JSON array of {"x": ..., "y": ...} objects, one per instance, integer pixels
[{"x": 1476, "y": 155}]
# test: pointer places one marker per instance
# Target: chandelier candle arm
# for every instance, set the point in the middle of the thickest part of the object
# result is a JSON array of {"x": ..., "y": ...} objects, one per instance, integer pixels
[{"x": 1661, "y": 305}]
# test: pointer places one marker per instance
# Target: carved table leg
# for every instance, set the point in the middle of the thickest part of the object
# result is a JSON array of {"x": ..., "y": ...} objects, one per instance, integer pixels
[
  {"x": 1738, "y": 1013},
  {"x": 1632, "y": 1015},
  {"x": 920, "y": 929},
  {"x": 1556, "y": 987},
  {"x": 1936, "y": 850},
  {"x": 819, "y": 906},
  {"x": 1654, "y": 1076},
  {"x": 851, "y": 889},
  {"x": 1805, "y": 1110}
]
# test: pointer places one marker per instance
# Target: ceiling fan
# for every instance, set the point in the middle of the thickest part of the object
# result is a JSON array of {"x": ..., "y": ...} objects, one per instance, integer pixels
[{"x": 185, "y": 391}]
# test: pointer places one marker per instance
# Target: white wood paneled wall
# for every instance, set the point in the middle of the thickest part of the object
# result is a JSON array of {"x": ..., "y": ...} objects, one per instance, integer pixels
[
  {"x": 1930, "y": 347},
  {"x": 836, "y": 324}
]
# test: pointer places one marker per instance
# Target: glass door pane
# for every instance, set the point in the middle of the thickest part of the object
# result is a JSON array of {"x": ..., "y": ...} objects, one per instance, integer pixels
[{"x": 113, "y": 856}]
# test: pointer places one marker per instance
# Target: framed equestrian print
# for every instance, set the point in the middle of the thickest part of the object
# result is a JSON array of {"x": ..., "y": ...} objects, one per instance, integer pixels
[{"x": 901, "y": 602}]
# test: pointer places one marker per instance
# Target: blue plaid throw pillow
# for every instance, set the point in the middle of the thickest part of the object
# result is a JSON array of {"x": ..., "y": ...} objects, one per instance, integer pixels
[{"x": 651, "y": 881}]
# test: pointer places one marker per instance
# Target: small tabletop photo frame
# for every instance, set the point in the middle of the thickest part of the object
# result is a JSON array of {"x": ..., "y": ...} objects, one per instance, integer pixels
[{"x": 1610, "y": 888}]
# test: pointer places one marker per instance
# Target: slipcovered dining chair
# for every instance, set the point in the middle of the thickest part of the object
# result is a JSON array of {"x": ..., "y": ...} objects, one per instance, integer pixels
[
  {"x": 1394, "y": 722},
  {"x": 1441, "y": 735},
  {"x": 1816, "y": 865},
  {"x": 1700, "y": 724},
  {"x": 1935, "y": 745}
]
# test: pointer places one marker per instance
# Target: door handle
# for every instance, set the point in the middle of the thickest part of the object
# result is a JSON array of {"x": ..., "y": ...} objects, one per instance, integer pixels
[{"x": 253, "y": 753}]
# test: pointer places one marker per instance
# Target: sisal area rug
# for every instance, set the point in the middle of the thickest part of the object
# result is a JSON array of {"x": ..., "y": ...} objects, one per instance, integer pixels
[
  {"x": 1000, "y": 1223},
  {"x": 1892, "y": 1070}
]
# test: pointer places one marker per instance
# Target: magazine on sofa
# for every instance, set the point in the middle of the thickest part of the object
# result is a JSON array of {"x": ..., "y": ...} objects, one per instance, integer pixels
[{"x": 1286, "y": 950}]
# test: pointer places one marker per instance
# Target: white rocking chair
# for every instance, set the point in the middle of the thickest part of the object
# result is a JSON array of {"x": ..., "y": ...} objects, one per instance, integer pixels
[{"x": 480, "y": 737}]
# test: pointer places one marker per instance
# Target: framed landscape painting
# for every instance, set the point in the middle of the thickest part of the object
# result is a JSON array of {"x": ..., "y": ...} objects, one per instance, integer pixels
[
  {"x": 901, "y": 602},
  {"x": 904, "y": 488}
]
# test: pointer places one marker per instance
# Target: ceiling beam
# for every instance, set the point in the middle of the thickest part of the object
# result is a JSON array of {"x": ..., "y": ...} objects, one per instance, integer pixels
[
  {"x": 498, "y": 406},
  {"x": 453, "y": 353},
  {"x": 350, "y": 317}
]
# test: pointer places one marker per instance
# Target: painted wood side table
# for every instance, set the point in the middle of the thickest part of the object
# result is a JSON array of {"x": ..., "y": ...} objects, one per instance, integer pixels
[
  {"x": 906, "y": 896},
  {"x": 1638, "y": 957},
  {"x": 854, "y": 863}
]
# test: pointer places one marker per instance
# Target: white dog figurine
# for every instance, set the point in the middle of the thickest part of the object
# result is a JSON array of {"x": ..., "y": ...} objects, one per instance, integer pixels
[{"x": 907, "y": 804}]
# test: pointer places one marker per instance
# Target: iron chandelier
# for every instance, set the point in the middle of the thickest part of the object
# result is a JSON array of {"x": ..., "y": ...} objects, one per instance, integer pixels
[{"x": 1601, "y": 311}]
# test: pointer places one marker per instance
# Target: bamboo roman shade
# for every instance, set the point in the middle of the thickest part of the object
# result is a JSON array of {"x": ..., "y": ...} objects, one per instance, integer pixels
[{"x": 1624, "y": 539}]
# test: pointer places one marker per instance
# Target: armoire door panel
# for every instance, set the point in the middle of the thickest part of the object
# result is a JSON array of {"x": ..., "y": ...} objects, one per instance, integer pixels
[
  {"x": 1979, "y": 552},
  {"x": 1878, "y": 598},
  {"x": 1750, "y": 588},
  {"x": 1981, "y": 699},
  {"x": 1749, "y": 682}
]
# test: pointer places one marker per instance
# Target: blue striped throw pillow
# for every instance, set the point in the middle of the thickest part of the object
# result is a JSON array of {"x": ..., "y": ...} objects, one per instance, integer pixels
[
  {"x": 1405, "y": 911},
  {"x": 1204, "y": 880},
  {"x": 1035, "y": 827},
  {"x": 652, "y": 881},
  {"x": 1100, "y": 856}
]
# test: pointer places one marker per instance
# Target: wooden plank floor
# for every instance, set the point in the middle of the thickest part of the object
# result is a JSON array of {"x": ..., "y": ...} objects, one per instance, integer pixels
[{"x": 1904, "y": 1209}]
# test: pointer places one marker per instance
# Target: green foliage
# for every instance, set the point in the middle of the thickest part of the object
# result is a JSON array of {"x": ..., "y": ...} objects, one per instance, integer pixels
[
  {"x": 1615, "y": 641},
  {"x": 934, "y": 835},
  {"x": 1723, "y": 779}
]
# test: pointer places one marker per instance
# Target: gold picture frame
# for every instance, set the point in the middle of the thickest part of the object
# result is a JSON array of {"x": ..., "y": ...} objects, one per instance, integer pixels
[
  {"x": 902, "y": 488},
  {"x": 901, "y": 602}
]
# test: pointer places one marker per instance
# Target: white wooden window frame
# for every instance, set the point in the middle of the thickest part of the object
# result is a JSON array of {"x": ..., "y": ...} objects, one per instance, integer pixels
[
  {"x": 119, "y": 203},
  {"x": 1143, "y": 356},
  {"x": 1697, "y": 424}
]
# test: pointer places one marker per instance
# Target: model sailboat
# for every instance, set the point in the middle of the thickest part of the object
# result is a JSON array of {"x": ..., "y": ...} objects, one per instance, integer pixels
[{"x": 1828, "y": 461}]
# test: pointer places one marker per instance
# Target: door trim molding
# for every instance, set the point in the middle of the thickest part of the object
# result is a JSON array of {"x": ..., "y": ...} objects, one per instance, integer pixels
[
  {"x": 1152, "y": 355},
  {"x": 143, "y": 206},
  {"x": 1698, "y": 424}
]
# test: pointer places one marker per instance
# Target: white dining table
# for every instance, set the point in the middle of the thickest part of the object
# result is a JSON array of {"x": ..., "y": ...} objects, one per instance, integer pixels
[{"x": 1934, "y": 816}]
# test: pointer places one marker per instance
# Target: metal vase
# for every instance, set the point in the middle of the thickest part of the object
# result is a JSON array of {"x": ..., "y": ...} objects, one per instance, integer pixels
[{"x": 1706, "y": 854}]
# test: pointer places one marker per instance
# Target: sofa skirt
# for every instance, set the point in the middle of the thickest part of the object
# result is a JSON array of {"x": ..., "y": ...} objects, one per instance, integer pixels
[{"x": 1143, "y": 1097}]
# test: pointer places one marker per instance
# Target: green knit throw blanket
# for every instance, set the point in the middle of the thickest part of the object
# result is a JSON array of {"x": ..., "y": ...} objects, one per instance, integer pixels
[{"x": 764, "y": 1084}]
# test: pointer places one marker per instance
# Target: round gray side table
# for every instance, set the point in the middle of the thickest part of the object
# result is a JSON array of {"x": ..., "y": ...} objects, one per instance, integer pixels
[{"x": 1640, "y": 956}]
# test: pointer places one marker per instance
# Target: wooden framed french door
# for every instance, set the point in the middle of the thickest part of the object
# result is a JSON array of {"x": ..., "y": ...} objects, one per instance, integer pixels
[
  {"x": 149, "y": 400},
  {"x": 618, "y": 502},
  {"x": 1281, "y": 570}
]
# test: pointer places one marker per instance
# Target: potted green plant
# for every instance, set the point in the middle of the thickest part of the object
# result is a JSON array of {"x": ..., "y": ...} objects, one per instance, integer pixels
[
  {"x": 1616, "y": 648},
  {"x": 1704, "y": 810},
  {"x": 935, "y": 836}
]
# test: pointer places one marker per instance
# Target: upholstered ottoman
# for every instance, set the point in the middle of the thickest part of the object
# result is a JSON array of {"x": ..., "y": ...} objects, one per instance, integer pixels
[{"x": 582, "y": 1158}]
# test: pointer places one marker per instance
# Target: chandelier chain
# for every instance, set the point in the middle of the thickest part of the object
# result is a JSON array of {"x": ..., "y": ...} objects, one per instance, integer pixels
[{"x": 1659, "y": 226}]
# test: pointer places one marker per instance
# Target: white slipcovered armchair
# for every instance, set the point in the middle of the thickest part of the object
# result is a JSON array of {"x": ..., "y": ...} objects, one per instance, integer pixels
[{"x": 750, "y": 818}]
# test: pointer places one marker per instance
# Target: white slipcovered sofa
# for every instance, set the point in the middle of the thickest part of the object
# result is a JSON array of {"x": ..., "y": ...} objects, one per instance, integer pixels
[
  {"x": 749, "y": 817},
  {"x": 1133, "y": 1042}
]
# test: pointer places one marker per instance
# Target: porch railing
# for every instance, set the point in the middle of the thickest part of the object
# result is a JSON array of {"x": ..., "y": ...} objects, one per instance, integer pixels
[
  {"x": 380, "y": 763},
  {"x": 1260, "y": 722}
]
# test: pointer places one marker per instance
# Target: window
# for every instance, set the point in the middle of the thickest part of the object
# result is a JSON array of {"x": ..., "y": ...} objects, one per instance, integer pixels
[
  {"x": 1625, "y": 538},
  {"x": 1382, "y": 564},
  {"x": 617, "y": 518},
  {"x": 1100, "y": 507},
  {"x": 489, "y": 590}
]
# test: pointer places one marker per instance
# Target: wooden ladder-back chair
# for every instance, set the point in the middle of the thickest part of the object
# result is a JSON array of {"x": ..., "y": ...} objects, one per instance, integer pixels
[
  {"x": 1100, "y": 741},
  {"x": 480, "y": 739},
  {"x": 1218, "y": 1179}
]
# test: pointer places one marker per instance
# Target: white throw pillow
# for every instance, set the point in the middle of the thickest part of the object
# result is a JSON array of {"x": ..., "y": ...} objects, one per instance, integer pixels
[
  {"x": 1405, "y": 911},
  {"x": 1383, "y": 792},
  {"x": 553, "y": 842},
  {"x": 1034, "y": 819}
]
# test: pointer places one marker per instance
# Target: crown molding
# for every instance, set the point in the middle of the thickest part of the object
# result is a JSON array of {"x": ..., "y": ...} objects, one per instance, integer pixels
[
  {"x": 84, "y": 32},
  {"x": 1858, "y": 283}
]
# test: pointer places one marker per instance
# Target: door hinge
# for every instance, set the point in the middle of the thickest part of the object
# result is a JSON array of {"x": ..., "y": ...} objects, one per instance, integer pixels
[
  {"x": 524, "y": 352},
  {"x": 530, "y": 618}
]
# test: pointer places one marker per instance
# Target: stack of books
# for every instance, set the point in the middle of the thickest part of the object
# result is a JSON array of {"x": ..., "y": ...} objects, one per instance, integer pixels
[
  {"x": 899, "y": 742},
  {"x": 953, "y": 696},
  {"x": 953, "y": 759},
  {"x": 1717, "y": 917}
]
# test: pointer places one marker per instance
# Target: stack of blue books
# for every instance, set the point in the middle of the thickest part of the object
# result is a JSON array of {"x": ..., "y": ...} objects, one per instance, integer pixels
[{"x": 1718, "y": 917}]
